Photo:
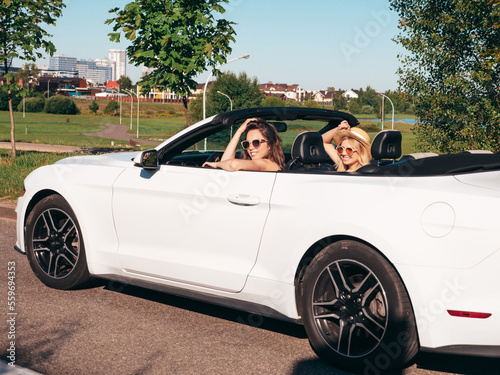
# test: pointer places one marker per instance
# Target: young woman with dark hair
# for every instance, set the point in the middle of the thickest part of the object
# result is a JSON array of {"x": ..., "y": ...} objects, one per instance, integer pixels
[{"x": 261, "y": 149}]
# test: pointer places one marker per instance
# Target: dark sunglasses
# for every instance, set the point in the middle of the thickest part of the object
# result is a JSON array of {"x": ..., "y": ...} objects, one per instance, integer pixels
[
  {"x": 348, "y": 150},
  {"x": 255, "y": 143}
]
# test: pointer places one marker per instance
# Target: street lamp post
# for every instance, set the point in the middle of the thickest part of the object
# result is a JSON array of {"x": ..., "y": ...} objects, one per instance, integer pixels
[
  {"x": 120, "y": 97},
  {"x": 48, "y": 89},
  {"x": 245, "y": 56},
  {"x": 131, "y": 93},
  {"x": 385, "y": 96},
  {"x": 131, "y": 105},
  {"x": 137, "y": 110},
  {"x": 231, "y": 103}
]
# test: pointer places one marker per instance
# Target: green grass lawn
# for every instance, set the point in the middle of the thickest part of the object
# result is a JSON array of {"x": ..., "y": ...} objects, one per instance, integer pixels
[{"x": 14, "y": 171}]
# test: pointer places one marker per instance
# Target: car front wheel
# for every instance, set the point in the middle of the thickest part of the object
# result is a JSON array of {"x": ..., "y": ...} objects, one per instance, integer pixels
[
  {"x": 356, "y": 311},
  {"x": 54, "y": 244}
]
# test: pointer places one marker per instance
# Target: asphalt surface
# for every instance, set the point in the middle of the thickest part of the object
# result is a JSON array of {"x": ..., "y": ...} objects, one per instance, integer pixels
[{"x": 111, "y": 328}]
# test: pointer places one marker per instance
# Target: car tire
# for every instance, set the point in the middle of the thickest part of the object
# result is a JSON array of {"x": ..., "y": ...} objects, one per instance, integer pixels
[
  {"x": 356, "y": 310},
  {"x": 54, "y": 244}
]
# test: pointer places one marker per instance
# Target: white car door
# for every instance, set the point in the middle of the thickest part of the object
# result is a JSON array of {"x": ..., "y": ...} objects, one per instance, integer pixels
[{"x": 191, "y": 225}]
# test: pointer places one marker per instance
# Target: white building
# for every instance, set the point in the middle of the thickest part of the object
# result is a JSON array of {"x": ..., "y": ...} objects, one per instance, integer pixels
[
  {"x": 120, "y": 59},
  {"x": 283, "y": 91},
  {"x": 351, "y": 94},
  {"x": 92, "y": 70},
  {"x": 63, "y": 62}
]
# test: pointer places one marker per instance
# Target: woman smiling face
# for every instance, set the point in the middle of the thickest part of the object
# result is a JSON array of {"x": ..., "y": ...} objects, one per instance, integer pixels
[
  {"x": 260, "y": 152},
  {"x": 350, "y": 161}
]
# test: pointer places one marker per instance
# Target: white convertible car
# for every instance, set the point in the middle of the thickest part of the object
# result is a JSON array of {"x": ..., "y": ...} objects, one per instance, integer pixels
[{"x": 378, "y": 264}]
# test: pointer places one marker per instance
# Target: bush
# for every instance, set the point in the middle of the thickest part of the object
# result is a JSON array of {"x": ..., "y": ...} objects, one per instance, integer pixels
[
  {"x": 32, "y": 105},
  {"x": 61, "y": 105},
  {"x": 94, "y": 107},
  {"x": 312, "y": 104},
  {"x": 4, "y": 101},
  {"x": 367, "y": 109},
  {"x": 111, "y": 108}
]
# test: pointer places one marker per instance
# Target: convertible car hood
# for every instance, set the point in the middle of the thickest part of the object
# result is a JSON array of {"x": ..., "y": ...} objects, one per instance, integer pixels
[{"x": 119, "y": 159}]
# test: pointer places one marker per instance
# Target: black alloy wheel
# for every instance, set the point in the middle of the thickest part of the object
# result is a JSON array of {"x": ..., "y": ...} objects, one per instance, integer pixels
[
  {"x": 54, "y": 244},
  {"x": 356, "y": 310}
]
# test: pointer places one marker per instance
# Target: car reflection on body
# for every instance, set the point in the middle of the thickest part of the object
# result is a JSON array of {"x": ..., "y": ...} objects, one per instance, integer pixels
[{"x": 377, "y": 264}]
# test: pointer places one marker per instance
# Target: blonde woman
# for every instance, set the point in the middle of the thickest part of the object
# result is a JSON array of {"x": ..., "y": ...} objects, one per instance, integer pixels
[{"x": 353, "y": 147}]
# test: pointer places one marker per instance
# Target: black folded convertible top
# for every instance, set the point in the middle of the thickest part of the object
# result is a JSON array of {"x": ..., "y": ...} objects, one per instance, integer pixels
[{"x": 441, "y": 165}]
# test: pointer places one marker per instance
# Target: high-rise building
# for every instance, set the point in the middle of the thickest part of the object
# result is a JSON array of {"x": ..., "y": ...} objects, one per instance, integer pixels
[
  {"x": 63, "y": 62},
  {"x": 94, "y": 70},
  {"x": 120, "y": 58}
]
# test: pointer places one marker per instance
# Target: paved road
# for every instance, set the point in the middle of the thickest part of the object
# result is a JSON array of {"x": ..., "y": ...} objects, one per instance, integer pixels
[{"x": 116, "y": 329}]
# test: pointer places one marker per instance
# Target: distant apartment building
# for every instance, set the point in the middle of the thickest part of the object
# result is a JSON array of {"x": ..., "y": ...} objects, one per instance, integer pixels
[
  {"x": 94, "y": 71},
  {"x": 63, "y": 63},
  {"x": 120, "y": 59}
]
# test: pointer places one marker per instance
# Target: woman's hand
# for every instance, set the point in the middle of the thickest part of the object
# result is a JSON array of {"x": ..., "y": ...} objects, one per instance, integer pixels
[
  {"x": 243, "y": 126},
  {"x": 344, "y": 125},
  {"x": 210, "y": 164}
]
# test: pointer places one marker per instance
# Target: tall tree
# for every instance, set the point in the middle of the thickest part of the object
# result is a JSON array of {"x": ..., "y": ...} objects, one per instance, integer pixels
[
  {"x": 125, "y": 83},
  {"x": 177, "y": 38},
  {"x": 242, "y": 90},
  {"x": 27, "y": 74},
  {"x": 21, "y": 36},
  {"x": 452, "y": 70}
]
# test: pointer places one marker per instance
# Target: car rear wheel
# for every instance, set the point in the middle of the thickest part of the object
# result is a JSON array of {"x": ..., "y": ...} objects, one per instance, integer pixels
[
  {"x": 54, "y": 244},
  {"x": 357, "y": 313}
]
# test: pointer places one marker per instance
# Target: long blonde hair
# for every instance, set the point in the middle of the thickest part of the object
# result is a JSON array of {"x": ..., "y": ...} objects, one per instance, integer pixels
[{"x": 363, "y": 152}]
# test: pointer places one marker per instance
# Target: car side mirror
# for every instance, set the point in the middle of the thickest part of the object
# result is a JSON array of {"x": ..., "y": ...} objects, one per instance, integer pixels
[{"x": 147, "y": 159}]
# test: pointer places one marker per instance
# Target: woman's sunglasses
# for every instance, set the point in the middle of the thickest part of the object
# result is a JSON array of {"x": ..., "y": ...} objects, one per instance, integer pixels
[
  {"x": 255, "y": 143},
  {"x": 348, "y": 150}
]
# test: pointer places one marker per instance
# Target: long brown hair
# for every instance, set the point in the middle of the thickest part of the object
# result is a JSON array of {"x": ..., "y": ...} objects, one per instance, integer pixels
[{"x": 273, "y": 140}]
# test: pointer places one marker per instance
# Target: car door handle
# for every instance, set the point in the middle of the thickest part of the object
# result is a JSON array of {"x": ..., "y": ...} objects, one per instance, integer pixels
[{"x": 243, "y": 199}]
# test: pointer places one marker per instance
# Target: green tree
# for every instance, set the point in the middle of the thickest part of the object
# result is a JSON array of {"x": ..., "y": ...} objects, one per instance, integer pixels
[
  {"x": 111, "y": 108},
  {"x": 369, "y": 97},
  {"x": 339, "y": 101},
  {"x": 21, "y": 36},
  {"x": 27, "y": 74},
  {"x": 125, "y": 83},
  {"x": 273, "y": 101},
  {"x": 452, "y": 71},
  {"x": 179, "y": 39},
  {"x": 94, "y": 107},
  {"x": 242, "y": 90}
]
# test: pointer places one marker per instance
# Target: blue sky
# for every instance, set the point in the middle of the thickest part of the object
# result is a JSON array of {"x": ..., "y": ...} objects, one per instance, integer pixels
[{"x": 313, "y": 43}]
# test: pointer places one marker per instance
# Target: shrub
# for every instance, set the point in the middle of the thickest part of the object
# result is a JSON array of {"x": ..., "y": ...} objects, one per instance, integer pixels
[
  {"x": 111, "y": 108},
  {"x": 367, "y": 109},
  {"x": 61, "y": 105},
  {"x": 94, "y": 107},
  {"x": 35, "y": 104},
  {"x": 312, "y": 104},
  {"x": 4, "y": 101}
]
